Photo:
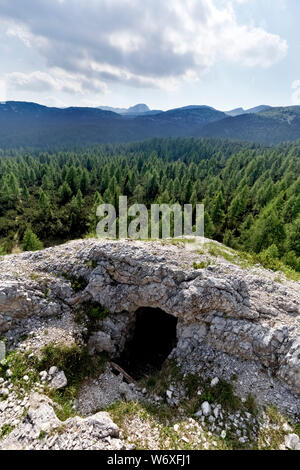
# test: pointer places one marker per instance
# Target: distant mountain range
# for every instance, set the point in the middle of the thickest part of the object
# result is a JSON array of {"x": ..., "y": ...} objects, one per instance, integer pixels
[
  {"x": 240, "y": 111},
  {"x": 137, "y": 110},
  {"x": 25, "y": 124}
]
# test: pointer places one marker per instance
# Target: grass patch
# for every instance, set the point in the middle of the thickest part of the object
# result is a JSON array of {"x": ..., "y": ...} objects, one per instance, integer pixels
[
  {"x": 92, "y": 264},
  {"x": 95, "y": 311},
  {"x": 77, "y": 365},
  {"x": 73, "y": 360},
  {"x": 201, "y": 265},
  {"x": 21, "y": 365},
  {"x": 159, "y": 421},
  {"x": 222, "y": 393},
  {"x": 125, "y": 413},
  {"x": 158, "y": 383},
  {"x": 34, "y": 277},
  {"x": 297, "y": 429},
  {"x": 251, "y": 406},
  {"x": 5, "y": 430},
  {"x": 42, "y": 435},
  {"x": 246, "y": 260},
  {"x": 272, "y": 437},
  {"x": 78, "y": 284},
  {"x": 218, "y": 251}
]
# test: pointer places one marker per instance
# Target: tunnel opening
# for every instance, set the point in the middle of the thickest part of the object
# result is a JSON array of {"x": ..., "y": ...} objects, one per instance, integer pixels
[{"x": 151, "y": 342}]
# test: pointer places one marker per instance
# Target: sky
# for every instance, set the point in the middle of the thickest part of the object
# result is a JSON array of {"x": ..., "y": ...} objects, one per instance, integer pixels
[{"x": 165, "y": 53}]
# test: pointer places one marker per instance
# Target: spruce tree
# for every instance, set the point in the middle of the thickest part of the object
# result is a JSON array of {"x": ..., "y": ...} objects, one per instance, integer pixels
[{"x": 31, "y": 241}]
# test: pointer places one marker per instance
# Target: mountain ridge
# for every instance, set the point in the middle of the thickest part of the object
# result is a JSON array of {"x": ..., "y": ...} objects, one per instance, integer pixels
[
  {"x": 239, "y": 111},
  {"x": 137, "y": 109},
  {"x": 28, "y": 124}
]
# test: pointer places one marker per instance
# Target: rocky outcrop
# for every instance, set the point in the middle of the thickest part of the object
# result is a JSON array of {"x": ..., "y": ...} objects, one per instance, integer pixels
[
  {"x": 41, "y": 429},
  {"x": 244, "y": 313}
]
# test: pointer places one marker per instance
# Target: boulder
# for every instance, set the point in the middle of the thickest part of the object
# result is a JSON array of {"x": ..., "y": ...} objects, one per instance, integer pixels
[
  {"x": 292, "y": 442},
  {"x": 59, "y": 380}
]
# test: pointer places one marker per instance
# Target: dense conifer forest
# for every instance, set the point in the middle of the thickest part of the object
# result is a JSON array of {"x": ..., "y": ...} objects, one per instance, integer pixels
[{"x": 251, "y": 192}]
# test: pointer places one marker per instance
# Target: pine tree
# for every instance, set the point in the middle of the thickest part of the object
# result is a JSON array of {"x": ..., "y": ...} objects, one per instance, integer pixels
[
  {"x": 65, "y": 193},
  {"x": 85, "y": 182},
  {"x": 44, "y": 202},
  {"x": 31, "y": 241},
  {"x": 25, "y": 193},
  {"x": 229, "y": 239},
  {"x": 72, "y": 179},
  {"x": 13, "y": 186},
  {"x": 209, "y": 228},
  {"x": 92, "y": 217},
  {"x": 217, "y": 212},
  {"x": 78, "y": 200}
]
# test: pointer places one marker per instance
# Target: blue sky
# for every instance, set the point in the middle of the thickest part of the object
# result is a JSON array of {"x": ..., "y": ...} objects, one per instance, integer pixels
[{"x": 221, "y": 53}]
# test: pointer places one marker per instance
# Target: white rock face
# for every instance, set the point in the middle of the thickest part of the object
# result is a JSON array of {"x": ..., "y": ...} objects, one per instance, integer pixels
[{"x": 241, "y": 312}]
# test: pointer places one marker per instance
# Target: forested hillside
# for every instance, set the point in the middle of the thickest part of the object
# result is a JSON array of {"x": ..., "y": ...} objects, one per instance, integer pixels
[
  {"x": 271, "y": 126},
  {"x": 251, "y": 193}
]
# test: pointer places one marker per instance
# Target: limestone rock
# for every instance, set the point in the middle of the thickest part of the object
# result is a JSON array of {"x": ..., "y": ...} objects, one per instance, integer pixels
[
  {"x": 206, "y": 408},
  {"x": 292, "y": 442},
  {"x": 214, "y": 382},
  {"x": 53, "y": 370},
  {"x": 99, "y": 342},
  {"x": 38, "y": 429},
  {"x": 59, "y": 380},
  {"x": 243, "y": 313}
]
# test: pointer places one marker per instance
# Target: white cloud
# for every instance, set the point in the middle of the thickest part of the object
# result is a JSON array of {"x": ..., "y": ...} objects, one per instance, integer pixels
[
  {"x": 296, "y": 92},
  {"x": 146, "y": 43},
  {"x": 2, "y": 90},
  {"x": 57, "y": 81}
]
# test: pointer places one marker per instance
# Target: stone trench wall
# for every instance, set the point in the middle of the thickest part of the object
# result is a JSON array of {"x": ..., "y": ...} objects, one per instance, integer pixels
[
  {"x": 213, "y": 311},
  {"x": 231, "y": 310},
  {"x": 273, "y": 348}
]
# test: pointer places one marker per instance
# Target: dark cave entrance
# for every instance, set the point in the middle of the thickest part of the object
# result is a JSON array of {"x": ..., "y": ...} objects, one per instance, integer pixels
[{"x": 153, "y": 339}]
